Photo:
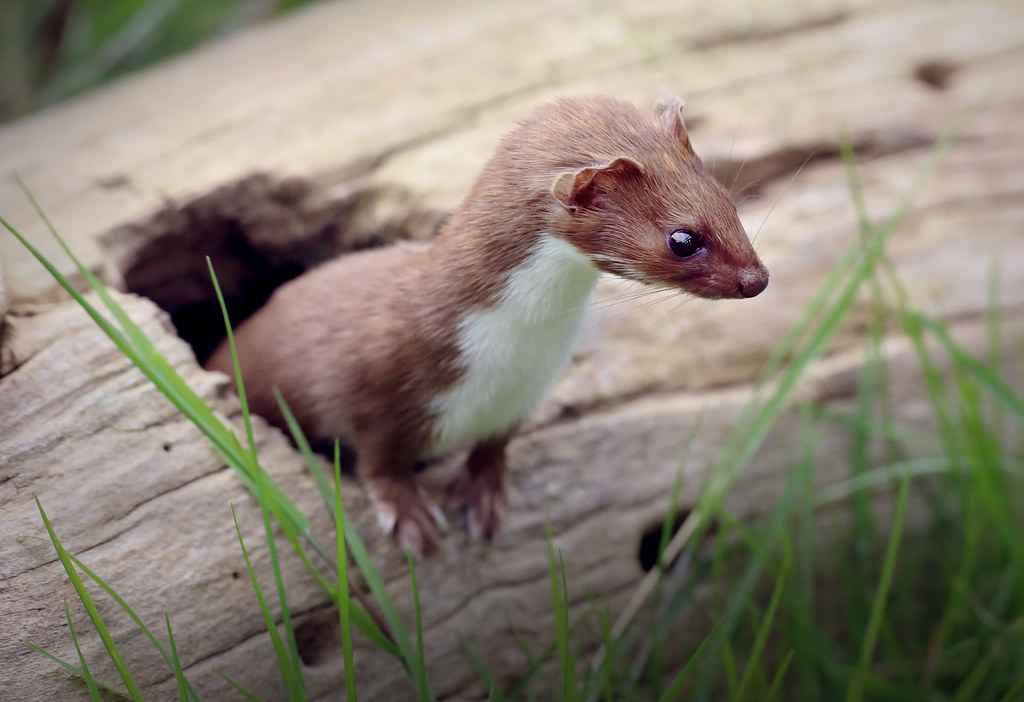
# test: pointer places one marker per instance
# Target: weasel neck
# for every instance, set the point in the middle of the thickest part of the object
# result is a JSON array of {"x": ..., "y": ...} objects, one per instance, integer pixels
[
  {"x": 549, "y": 288},
  {"x": 512, "y": 351}
]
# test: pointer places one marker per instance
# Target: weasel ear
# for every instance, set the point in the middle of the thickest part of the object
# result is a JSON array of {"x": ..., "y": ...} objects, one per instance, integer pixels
[
  {"x": 581, "y": 188},
  {"x": 669, "y": 114}
]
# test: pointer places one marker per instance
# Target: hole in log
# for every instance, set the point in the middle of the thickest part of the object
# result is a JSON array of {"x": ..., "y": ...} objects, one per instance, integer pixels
[
  {"x": 259, "y": 233},
  {"x": 937, "y": 75},
  {"x": 650, "y": 541},
  {"x": 316, "y": 637}
]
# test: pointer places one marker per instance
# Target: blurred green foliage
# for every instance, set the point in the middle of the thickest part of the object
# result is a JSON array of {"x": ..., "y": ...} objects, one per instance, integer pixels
[{"x": 52, "y": 49}]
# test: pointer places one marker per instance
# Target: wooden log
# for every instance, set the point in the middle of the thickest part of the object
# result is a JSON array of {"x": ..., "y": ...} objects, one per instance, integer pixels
[
  {"x": 371, "y": 120},
  {"x": 140, "y": 496}
]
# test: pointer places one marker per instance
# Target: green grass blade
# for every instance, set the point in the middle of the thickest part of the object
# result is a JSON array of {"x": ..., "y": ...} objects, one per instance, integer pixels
[
  {"x": 90, "y": 607},
  {"x": 494, "y": 693},
  {"x": 855, "y": 421},
  {"x": 761, "y": 639},
  {"x": 570, "y": 688},
  {"x": 121, "y": 694},
  {"x": 676, "y": 686},
  {"x": 805, "y": 594},
  {"x": 535, "y": 668},
  {"x": 855, "y": 692},
  {"x": 361, "y": 618},
  {"x": 240, "y": 386},
  {"x": 248, "y": 695},
  {"x": 109, "y": 329},
  {"x": 90, "y": 683},
  {"x": 137, "y": 347},
  {"x": 266, "y": 504},
  {"x": 138, "y": 338},
  {"x": 743, "y": 586},
  {"x": 747, "y": 435},
  {"x": 982, "y": 373},
  {"x": 968, "y": 689},
  {"x": 421, "y": 666},
  {"x": 994, "y": 323},
  {"x": 886, "y": 475},
  {"x": 853, "y": 183},
  {"x": 729, "y": 669},
  {"x": 143, "y": 352},
  {"x": 668, "y": 523},
  {"x": 780, "y": 675},
  {"x": 319, "y": 476},
  {"x": 360, "y": 615},
  {"x": 560, "y": 608},
  {"x": 1014, "y": 693},
  {"x": 135, "y": 617},
  {"x": 344, "y": 603},
  {"x": 369, "y": 625},
  {"x": 284, "y": 662},
  {"x": 134, "y": 343},
  {"x": 179, "y": 675},
  {"x": 407, "y": 653}
]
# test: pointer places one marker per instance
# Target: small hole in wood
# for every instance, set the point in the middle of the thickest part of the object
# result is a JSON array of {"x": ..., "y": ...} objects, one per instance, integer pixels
[
  {"x": 937, "y": 75},
  {"x": 317, "y": 639}
]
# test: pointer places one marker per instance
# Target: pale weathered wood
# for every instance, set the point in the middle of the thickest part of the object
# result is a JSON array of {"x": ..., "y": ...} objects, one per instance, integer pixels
[
  {"x": 144, "y": 501},
  {"x": 408, "y": 99}
]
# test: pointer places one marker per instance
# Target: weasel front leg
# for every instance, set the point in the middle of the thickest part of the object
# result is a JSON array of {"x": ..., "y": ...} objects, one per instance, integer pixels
[
  {"x": 403, "y": 510},
  {"x": 482, "y": 486}
]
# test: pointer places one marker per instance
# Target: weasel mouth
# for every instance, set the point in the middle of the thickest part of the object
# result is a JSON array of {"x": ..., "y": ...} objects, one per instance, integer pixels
[
  {"x": 743, "y": 284},
  {"x": 711, "y": 288}
]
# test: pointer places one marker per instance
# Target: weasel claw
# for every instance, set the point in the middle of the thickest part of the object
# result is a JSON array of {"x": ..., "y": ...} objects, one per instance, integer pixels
[
  {"x": 405, "y": 512},
  {"x": 484, "y": 502}
]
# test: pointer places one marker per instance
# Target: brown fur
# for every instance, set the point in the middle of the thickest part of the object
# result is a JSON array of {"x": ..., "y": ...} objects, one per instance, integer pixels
[{"x": 359, "y": 346}]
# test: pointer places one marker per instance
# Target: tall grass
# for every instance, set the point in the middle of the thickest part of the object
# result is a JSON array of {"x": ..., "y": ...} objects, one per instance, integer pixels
[{"x": 831, "y": 596}]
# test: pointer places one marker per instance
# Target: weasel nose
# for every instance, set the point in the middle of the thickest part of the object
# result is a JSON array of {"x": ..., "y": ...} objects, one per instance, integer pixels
[{"x": 753, "y": 281}]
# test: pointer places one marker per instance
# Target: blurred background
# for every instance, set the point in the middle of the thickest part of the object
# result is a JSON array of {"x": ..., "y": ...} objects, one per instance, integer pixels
[{"x": 53, "y": 49}]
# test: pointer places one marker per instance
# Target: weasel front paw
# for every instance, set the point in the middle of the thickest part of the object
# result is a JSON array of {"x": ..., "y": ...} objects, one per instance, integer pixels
[
  {"x": 483, "y": 495},
  {"x": 405, "y": 512}
]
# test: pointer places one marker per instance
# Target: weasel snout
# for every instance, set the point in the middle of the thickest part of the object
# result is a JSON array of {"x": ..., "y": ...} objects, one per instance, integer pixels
[{"x": 753, "y": 281}]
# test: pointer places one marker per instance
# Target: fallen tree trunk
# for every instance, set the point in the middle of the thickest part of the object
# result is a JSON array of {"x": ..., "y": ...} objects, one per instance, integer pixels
[
  {"x": 140, "y": 496},
  {"x": 360, "y": 147}
]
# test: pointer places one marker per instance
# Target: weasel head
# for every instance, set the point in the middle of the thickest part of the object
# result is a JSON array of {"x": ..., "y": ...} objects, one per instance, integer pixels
[{"x": 647, "y": 210}]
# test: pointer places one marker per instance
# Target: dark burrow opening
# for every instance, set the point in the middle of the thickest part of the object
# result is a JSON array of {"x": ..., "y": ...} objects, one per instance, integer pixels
[
  {"x": 651, "y": 539},
  {"x": 259, "y": 233}
]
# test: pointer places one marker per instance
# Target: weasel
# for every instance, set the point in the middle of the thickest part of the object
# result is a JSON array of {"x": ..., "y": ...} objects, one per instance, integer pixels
[{"x": 409, "y": 351}]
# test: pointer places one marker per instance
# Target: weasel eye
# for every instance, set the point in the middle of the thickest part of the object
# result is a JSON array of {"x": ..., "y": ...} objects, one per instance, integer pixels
[{"x": 684, "y": 243}]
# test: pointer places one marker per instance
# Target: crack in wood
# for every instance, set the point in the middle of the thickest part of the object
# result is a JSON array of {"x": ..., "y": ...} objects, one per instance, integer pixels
[
  {"x": 758, "y": 33},
  {"x": 748, "y": 177}
]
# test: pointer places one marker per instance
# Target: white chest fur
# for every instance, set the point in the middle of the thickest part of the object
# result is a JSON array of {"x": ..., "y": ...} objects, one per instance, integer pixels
[{"x": 513, "y": 351}]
